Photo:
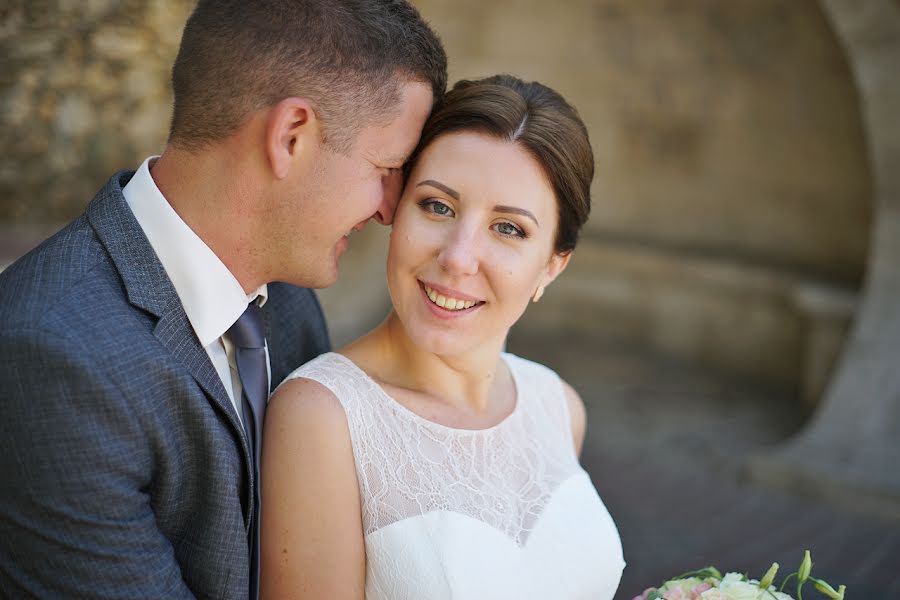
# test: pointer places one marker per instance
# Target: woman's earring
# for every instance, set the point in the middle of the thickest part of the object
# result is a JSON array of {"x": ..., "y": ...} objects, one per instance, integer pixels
[{"x": 537, "y": 294}]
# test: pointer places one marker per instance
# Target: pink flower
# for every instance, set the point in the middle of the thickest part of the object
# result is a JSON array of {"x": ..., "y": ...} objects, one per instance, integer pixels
[
  {"x": 674, "y": 594},
  {"x": 644, "y": 595},
  {"x": 699, "y": 589}
]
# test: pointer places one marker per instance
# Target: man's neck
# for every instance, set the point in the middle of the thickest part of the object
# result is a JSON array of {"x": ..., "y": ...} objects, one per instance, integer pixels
[{"x": 204, "y": 190}]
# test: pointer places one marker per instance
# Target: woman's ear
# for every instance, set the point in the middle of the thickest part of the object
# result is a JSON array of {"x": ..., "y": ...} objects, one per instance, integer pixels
[
  {"x": 292, "y": 130},
  {"x": 556, "y": 265}
]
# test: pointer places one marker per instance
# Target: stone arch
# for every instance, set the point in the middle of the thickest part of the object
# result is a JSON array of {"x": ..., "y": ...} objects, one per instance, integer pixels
[{"x": 850, "y": 449}]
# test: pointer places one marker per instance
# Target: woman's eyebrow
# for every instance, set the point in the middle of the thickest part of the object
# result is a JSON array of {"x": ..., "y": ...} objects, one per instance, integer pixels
[
  {"x": 437, "y": 184},
  {"x": 518, "y": 211},
  {"x": 499, "y": 208}
]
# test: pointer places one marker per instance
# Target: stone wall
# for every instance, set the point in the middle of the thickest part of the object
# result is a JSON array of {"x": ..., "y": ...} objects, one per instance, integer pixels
[
  {"x": 849, "y": 450},
  {"x": 732, "y": 203},
  {"x": 726, "y": 128},
  {"x": 85, "y": 92}
]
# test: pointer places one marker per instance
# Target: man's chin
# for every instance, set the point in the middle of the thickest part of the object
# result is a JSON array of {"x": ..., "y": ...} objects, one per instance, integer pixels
[
  {"x": 320, "y": 279},
  {"x": 323, "y": 282},
  {"x": 327, "y": 283}
]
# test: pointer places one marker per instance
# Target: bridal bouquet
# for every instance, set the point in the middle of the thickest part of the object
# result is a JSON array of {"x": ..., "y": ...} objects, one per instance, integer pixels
[{"x": 709, "y": 584}]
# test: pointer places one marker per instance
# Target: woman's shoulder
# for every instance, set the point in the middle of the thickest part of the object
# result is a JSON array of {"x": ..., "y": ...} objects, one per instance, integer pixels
[
  {"x": 332, "y": 371},
  {"x": 308, "y": 393},
  {"x": 531, "y": 371},
  {"x": 322, "y": 366},
  {"x": 307, "y": 403},
  {"x": 555, "y": 394}
]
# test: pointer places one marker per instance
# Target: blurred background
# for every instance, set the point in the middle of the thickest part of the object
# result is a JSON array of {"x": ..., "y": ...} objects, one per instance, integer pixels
[{"x": 732, "y": 313}]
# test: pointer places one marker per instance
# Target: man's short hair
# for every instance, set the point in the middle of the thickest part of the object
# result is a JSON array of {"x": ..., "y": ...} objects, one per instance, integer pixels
[{"x": 347, "y": 57}]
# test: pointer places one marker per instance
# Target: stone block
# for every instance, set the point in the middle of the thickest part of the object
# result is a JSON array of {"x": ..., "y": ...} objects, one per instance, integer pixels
[{"x": 745, "y": 319}]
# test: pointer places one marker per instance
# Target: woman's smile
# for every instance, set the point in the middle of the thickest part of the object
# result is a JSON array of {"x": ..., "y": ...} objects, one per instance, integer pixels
[{"x": 447, "y": 303}]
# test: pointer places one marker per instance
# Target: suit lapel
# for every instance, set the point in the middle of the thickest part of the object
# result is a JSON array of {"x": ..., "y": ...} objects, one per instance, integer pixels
[
  {"x": 148, "y": 287},
  {"x": 174, "y": 331},
  {"x": 267, "y": 324}
]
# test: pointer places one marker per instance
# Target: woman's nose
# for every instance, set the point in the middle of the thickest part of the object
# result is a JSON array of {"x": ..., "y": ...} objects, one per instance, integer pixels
[{"x": 460, "y": 253}]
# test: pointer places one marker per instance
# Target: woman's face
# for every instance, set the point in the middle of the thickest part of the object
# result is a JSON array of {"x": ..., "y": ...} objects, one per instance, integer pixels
[{"x": 472, "y": 241}]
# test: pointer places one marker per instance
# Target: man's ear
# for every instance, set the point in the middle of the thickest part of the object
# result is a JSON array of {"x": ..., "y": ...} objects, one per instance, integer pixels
[
  {"x": 556, "y": 265},
  {"x": 292, "y": 128}
]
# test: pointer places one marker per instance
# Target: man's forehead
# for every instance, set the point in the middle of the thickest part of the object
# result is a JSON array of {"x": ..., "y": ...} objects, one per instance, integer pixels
[
  {"x": 393, "y": 141},
  {"x": 395, "y": 158},
  {"x": 393, "y": 146}
]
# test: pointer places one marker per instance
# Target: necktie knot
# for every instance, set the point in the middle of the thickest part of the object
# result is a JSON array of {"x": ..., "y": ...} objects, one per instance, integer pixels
[{"x": 248, "y": 330}]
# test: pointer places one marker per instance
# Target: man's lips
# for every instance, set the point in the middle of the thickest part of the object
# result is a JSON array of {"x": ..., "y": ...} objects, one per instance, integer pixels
[
  {"x": 342, "y": 243},
  {"x": 341, "y": 246}
]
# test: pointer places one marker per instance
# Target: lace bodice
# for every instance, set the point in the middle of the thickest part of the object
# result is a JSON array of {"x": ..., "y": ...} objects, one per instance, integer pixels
[{"x": 435, "y": 498}]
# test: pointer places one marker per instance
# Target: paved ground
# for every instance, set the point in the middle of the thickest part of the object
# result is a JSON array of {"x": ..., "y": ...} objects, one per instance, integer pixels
[{"x": 665, "y": 448}]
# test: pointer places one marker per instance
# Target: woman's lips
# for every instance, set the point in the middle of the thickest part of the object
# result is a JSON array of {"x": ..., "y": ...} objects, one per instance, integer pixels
[{"x": 447, "y": 301}]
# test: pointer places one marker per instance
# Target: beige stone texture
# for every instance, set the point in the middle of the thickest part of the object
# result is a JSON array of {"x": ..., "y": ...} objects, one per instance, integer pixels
[
  {"x": 731, "y": 162},
  {"x": 851, "y": 448},
  {"x": 84, "y": 92},
  {"x": 707, "y": 310},
  {"x": 731, "y": 128}
]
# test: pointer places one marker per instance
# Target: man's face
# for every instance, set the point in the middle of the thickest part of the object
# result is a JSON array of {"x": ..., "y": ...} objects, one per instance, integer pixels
[{"x": 339, "y": 193}]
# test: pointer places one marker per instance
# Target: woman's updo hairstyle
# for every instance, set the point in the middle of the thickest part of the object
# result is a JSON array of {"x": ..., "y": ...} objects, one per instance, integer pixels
[{"x": 539, "y": 120}]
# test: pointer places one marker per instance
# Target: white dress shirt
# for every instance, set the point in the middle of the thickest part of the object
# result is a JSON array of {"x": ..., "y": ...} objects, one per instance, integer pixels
[{"x": 211, "y": 296}]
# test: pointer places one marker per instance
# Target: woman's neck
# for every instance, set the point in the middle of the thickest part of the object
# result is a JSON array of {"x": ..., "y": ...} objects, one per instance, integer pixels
[{"x": 469, "y": 381}]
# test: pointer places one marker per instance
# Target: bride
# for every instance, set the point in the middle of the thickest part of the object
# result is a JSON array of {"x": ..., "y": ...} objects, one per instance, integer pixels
[{"x": 422, "y": 461}]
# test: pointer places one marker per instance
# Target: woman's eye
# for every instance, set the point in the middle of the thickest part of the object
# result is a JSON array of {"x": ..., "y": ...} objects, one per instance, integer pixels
[
  {"x": 436, "y": 207},
  {"x": 509, "y": 229}
]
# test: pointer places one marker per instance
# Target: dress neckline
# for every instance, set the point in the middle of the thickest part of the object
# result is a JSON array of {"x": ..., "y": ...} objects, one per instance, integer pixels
[{"x": 410, "y": 413}]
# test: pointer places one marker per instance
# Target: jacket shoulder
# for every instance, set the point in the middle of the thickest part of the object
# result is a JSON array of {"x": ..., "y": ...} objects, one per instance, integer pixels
[
  {"x": 296, "y": 330},
  {"x": 40, "y": 279}
]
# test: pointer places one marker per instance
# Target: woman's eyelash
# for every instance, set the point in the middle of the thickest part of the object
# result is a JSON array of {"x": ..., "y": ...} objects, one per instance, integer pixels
[
  {"x": 435, "y": 207},
  {"x": 517, "y": 232},
  {"x": 438, "y": 208}
]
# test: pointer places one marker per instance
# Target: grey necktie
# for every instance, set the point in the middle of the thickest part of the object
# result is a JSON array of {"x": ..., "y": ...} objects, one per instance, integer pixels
[{"x": 248, "y": 337}]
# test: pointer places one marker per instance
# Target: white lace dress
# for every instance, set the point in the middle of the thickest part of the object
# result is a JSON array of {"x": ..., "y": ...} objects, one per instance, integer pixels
[{"x": 505, "y": 512}]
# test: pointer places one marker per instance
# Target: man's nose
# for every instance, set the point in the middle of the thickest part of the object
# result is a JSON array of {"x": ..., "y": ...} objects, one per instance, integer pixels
[{"x": 392, "y": 187}]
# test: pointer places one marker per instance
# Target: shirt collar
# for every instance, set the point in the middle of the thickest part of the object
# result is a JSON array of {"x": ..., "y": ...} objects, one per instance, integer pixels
[{"x": 211, "y": 295}]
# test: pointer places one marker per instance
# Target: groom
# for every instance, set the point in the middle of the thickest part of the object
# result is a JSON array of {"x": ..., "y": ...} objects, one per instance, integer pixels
[{"x": 138, "y": 345}]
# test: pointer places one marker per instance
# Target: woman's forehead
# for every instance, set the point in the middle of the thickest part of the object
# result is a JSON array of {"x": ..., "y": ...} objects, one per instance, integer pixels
[{"x": 477, "y": 163}]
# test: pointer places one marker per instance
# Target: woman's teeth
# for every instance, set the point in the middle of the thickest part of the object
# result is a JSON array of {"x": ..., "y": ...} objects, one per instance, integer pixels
[{"x": 448, "y": 303}]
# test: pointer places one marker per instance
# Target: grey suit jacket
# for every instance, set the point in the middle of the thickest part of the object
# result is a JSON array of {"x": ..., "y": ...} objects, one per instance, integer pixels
[{"x": 124, "y": 468}]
